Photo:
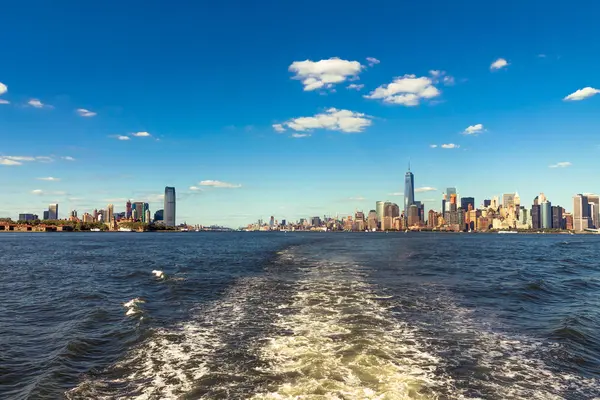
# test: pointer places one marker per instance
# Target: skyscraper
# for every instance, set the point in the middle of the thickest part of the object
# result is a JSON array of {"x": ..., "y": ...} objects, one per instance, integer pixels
[
  {"x": 159, "y": 215},
  {"x": 557, "y": 217},
  {"x": 169, "y": 206},
  {"x": 465, "y": 201},
  {"x": 53, "y": 211},
  {"x": 128, "y": 209},
  {"x": 138, "y": 207},
  {"x": 536, "y": 218},
  {"x": 581, "y": 209},
  {"x": 546, "y": 209},
  {"x": 508, "y": 200},
  {"x": 380, "y": 209},
  {"x": 409, "y": 191},
  {"x": 110, "y": 211},
  {"x": 594, "y": 203}
]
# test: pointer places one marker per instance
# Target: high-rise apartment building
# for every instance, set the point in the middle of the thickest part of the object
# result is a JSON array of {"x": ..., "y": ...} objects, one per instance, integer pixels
[
  {"x": 53, "y": 211},
  {"x": 158, "y": 215},
  {"x": 581, "y": 209},
  {"x": 46, "y": 215},
  {"x": 409, "y": 190},
  {"x": 169, "y": 206}
]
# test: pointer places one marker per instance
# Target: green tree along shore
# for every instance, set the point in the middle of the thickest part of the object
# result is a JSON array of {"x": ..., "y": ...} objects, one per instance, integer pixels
[{"x": 86, "y": 226}]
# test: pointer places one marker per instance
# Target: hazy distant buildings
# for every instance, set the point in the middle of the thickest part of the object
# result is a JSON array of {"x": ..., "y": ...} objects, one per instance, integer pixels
[
  {"x": 53, "y": 212},
  {"x": 28, "y": 217},
  {"x": 169, "y": 206}
]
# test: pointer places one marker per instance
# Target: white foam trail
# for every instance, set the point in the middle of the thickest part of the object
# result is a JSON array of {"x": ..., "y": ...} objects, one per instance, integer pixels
[
  {"x": 159, "y": 274},
  {"x": 132, "y": 306},
  {"x": 341, "y": 343},
  {"x": 170, "y": 362}
]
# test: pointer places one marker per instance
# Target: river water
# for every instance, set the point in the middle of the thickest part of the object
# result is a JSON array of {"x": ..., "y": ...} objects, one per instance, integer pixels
[{"x": 299, "y": 316}]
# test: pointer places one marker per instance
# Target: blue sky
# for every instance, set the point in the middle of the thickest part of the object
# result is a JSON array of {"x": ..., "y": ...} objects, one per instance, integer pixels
[{"x": 212, "y": 83}]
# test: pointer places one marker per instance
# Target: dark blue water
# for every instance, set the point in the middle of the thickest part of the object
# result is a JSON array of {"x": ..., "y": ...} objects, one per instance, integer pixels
[{"x": 299, "y": 316}]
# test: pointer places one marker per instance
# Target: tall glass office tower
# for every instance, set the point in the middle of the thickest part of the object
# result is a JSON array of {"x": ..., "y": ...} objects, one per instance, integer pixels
[
  {"x": 409, "y": 191},
  {"x": 169, "y": 207}
]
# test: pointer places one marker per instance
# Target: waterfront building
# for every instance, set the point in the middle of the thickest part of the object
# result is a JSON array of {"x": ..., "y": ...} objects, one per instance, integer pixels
[
  {"x": 409, "y": 190},
  {"x": 594, "y": 200},
  {"x": 546, "y": 214},
  {"x": 536, "y": 217},
  {"x": 27, "y": 217},
  {"x": 495, "y": 204},
  {"x": 380, "y": 209},
  {"x": 557, "y": 217},
  {"x": 372, "y": 220},
  {"x": 316, "y": 221},
  {"x": 87, "y": 217},
  {"x": 581, "y": 216},
  {"x": 169, "y": 206},
  {"x": 147, "y": 217},
  {"x": 487, "y": 203},
  {"x": 272, "y": 222},
  {"x": 145, "y": 212},
  {"x": 46, "y": 215},
  {"x": 283, "y": 222},
  {"x": 444, "y": 200},
  {"x": 53, "y": 212},
  {"x": 128, "y": 209},
  {"x": 568, "y": 221},
  {"x": 431, "y": 219},
  {"x": 466, "y": 201},
  {"x": 110, "y": 213},
  {"x": 413, "y": 216},
  {"x": 158, "y": 215},
  {"x": 73, "y": 213}
]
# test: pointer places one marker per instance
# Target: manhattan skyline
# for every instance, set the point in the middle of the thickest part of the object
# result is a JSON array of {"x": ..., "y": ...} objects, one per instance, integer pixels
[{"x": 261, "y": 120}]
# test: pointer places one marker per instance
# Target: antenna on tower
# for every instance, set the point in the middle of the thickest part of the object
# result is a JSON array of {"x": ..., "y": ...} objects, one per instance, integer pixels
[{"x": 408, "y": 165}]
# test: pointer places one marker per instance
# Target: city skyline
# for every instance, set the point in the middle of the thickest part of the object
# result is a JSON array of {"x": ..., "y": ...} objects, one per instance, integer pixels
[{"x": 246, "y": 128}]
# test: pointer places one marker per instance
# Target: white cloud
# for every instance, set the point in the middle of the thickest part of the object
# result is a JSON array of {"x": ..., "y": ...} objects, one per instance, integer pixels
[
  {"x": 324, "y": 74},
  {"x": 3, "y": 88},
  {"x": 333, "y": 120},
  {"x": 49, "y": 179},
  {"x": 407, "y": 90},
  {"x": 85, "y": 113},
  {"x": 9, "y": 162},
  {"x": 20, "y": 158},
  {"x": 425, "y": 189},
  {"x": 45, "y": 159},
  {"x": 38, "y": 192},
  {"x": 219, "y": 184},
  {"x": 122, "y": 137},
  {"x": 37, "y": 103},
  {"x": 582, "y": 94},
  {"x": 541, "y": 55},
  {"x": 68, "y": 158},
  {"x": 195, "y": 188},
  {"x": 372, "y": 61},
  {"x": 563, "y": 164},
  {"x": 449, "y": 146},
  {"x": 438, "y": 76},
  {"x": 357, "y": 198},
  {"x": 354, "y": 86},
  {"x": 499, "y": 64},
  {"x": 2, "y": 101},
  {"x": 300, "y": 135},
  {"x": 448, "y": 80},
  {"x": 433, "y": 146},
  {"x": 278, "y": 128},
  {"x": 474, "y": 129},
  {"x": 141, "y": 134},
  {"x": 396, "y": 194}
]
